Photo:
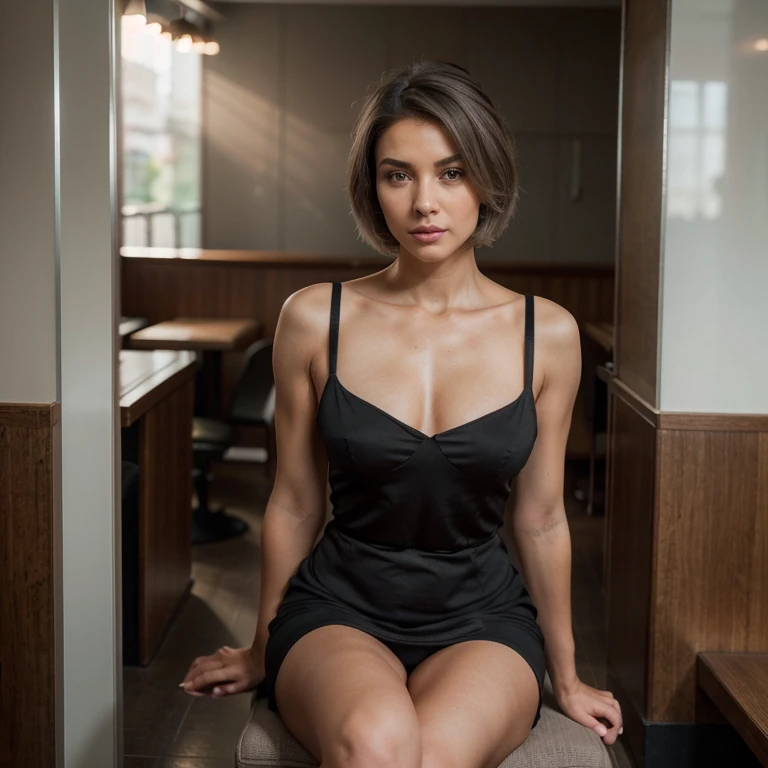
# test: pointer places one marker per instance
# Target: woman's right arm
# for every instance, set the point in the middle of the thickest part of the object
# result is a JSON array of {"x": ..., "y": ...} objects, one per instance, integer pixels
[{"x": 295, "y": 512}]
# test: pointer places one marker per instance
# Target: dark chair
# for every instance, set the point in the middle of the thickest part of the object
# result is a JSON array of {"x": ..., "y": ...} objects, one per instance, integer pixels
[
  {"x": 252, "y": 405},
  {"x": 253, "y": 399}
]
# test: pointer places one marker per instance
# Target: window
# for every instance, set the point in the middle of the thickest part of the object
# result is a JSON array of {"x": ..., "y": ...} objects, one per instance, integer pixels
[
  {"x": 161, "y": 113},
  {"x": 696, "y": 155}
]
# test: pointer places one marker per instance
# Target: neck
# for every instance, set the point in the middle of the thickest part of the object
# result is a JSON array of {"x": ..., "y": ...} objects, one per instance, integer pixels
[{"x": 451, "y": 282}]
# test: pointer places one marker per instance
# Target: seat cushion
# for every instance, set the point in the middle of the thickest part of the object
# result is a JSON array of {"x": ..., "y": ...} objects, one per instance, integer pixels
[{"x": 556, "y": 742}]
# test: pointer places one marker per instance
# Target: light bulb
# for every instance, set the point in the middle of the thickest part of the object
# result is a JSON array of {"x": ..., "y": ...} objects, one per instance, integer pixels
[
  {"x": 155, "y": 28},
  {"x": 136, "y": 8},
  {"x": 212, "y": 48},
  {"x": 184, "y": 44}
]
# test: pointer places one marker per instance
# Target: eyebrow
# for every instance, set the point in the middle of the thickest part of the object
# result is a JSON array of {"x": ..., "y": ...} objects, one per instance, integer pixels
[{"x": 408, "y": 166}]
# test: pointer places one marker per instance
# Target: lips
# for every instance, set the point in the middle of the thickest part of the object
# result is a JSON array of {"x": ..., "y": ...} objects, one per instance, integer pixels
[
  {"x": 428, "y": 236},
  {"x": 431, "y": 228}
]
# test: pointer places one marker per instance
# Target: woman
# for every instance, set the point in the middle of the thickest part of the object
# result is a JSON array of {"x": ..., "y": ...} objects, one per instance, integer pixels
[{"x": 406, "y": 637}]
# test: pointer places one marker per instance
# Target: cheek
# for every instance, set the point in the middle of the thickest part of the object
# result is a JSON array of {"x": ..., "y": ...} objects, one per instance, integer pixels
[{"x": 392, "y": 204}]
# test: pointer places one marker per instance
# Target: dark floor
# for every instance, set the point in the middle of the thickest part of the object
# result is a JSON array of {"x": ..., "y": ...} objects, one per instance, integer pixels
[{"x": 165, "y": 728}]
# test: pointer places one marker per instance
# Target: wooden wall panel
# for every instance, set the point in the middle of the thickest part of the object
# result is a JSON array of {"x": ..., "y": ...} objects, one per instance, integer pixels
[
  {"x": 641, "y": 193},
  {"x": 710, "y": 560},
  {"x": 162, "y": 288},
  {"x": 165, "y": 517},
  {"x": 28, "y": 545},
  {"x": 630, "y": 520}
]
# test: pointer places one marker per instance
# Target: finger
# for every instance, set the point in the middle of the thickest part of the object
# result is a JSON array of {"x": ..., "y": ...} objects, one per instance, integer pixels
[
  {"x": 195, "y": 665},
  {"x": 594, "y": 725},
  {"x": 608, "y": 713},
  {"x": 613, "y": 703},
  {"x": 229, "y": 689},
  {"x": 223, "y": 675},
  {"x": 207, "y": 666},
  {"x": 203, "y": 666}
]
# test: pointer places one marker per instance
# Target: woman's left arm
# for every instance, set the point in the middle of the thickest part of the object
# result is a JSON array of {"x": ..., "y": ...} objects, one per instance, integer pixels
[{"x": 539, "y": 525}]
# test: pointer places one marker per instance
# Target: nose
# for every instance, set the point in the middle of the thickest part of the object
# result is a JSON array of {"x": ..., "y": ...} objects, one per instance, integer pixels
[{"x": 425, "y": 201}]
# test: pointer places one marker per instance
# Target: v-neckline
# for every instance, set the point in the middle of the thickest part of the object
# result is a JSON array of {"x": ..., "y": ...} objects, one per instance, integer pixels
[{"x": 408, "y": 427}]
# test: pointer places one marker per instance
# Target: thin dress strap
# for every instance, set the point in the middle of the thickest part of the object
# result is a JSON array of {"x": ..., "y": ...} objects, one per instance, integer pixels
[
  {"x": 333, "y": 343},
  {"x": 528, "y": 341}
]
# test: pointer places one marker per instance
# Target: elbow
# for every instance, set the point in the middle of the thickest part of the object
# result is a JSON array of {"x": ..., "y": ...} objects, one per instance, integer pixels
[{"x": 534, "y": 522}]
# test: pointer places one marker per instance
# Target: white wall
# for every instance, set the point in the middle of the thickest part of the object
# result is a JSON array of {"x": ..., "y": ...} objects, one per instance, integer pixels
[
  {"x": 28, "y": 314},
  {"x": 714, "y": 329},
  {"x": 281, "y": 97},
  {"x": 58, "y": 311}
]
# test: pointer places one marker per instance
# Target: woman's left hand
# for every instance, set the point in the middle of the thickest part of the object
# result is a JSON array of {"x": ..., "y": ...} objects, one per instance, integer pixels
[{"x": 586, "y": 704}]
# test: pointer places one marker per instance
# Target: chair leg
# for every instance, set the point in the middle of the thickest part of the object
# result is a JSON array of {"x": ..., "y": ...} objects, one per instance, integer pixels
[{"x": 207, "y": 526}]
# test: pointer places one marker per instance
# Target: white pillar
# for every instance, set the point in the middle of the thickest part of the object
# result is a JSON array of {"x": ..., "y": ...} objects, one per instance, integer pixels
[{"x": 87, "y": 51}]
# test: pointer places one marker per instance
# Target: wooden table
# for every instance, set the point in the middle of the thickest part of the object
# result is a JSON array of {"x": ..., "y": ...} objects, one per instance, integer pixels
[
  {"x": 197, "y": 333},
  {"x": 212, "y": 337},
  {"x": 129, "y": 325},
  {"x": 156, "y": 397}
]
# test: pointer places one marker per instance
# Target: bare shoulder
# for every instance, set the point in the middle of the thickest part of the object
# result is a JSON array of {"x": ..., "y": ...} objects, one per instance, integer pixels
[
  {"x": 303, "y": 321},
  {"x": 304, "y": 305},
  {"x": 557, "y": 342},
  {"x": 555, "y": 325}
]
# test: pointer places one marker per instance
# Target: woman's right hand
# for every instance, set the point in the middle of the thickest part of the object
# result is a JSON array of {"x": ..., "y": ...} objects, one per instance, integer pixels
[{"x": 227, "y": 671}]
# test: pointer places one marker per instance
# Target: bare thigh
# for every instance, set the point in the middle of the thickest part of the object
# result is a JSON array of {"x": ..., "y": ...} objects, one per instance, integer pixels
[
  {"x": 475, "y": 702},
  {"x": 343, "y": 695}
]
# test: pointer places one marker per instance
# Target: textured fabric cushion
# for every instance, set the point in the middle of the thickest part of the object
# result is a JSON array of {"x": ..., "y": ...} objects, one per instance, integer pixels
[{"x": 556, "y": 742}]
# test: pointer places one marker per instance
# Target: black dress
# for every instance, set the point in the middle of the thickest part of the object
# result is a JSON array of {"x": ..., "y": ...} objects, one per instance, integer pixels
[{"x": 412, "y": 555}]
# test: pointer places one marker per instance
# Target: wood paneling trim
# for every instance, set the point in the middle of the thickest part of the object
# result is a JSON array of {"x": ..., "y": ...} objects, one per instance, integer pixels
[
  {"x": 29, "y": 458},
  {"x": 691, "y": 422},
  {"x": 281, "y": 259},
  {"x": 30, "y": 415},
  {"x": 713, "y": 422}
]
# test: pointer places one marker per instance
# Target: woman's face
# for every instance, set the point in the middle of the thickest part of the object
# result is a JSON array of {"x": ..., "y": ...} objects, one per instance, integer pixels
[{"x": 422, "y": 183}]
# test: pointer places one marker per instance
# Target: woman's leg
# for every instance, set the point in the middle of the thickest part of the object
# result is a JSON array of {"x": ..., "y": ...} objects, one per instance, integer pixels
[
  {"x": 342, "y": 694},
  {"x": 475, "y": 702}
]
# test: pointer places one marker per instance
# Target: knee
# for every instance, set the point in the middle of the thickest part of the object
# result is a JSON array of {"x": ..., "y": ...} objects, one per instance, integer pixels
[{"x": 378, "y": 737}]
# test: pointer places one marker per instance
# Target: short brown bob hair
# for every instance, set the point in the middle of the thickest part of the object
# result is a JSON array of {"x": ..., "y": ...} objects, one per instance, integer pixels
[{"x": 447, "y": 94}]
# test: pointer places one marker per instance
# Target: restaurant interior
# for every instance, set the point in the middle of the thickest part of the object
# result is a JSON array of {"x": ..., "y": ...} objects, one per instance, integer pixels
[{"x": 642, "y": 137}]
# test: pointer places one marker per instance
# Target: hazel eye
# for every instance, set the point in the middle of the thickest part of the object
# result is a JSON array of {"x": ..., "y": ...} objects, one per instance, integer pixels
[
  {"x": 397, "y": 173},
  {"x": 459, "y": 173}
]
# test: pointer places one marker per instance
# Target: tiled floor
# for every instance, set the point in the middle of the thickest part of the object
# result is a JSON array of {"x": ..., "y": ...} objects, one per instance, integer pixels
[{"x": 165, "y": 728}]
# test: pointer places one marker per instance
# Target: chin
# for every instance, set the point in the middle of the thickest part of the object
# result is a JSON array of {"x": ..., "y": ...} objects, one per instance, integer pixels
[{"x": 429, "y": 253}]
